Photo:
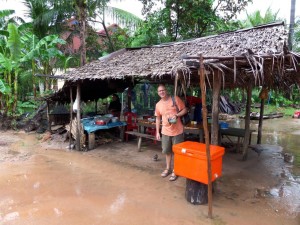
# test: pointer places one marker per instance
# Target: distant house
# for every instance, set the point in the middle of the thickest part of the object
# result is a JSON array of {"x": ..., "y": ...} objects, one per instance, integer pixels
[
  {"x": 72, "y": 36},
  {"x": 111, "y": 29}
]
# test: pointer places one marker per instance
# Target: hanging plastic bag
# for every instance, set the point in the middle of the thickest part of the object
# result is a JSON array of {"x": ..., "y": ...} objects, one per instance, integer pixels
[{"x": 75, "y": 105}]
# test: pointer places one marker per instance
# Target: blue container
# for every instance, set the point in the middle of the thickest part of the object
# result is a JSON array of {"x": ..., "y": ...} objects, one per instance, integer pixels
[{"x": 223, "y": 125}]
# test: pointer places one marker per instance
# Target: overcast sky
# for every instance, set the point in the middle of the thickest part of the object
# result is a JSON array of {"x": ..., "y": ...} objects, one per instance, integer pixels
[{"x": 134, "y": 6}]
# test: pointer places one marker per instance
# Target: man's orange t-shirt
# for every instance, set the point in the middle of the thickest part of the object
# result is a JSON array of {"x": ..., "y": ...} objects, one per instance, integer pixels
[{"x": 165, "y": 110}]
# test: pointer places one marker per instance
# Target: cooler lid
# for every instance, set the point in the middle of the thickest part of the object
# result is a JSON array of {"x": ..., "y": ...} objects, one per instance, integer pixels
[{"x": 197, "y": 149}]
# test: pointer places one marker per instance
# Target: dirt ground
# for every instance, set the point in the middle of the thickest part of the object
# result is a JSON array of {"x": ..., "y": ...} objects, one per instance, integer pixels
[{"x": 46, "y": 183}]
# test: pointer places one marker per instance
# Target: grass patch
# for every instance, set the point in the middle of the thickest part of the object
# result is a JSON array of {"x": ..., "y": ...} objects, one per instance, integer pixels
[{"x": 287, "y": 111}]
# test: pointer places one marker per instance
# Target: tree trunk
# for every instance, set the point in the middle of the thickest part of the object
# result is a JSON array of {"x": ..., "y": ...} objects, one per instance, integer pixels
[
  {"x": 111, "y": 46},
  {"x": 292, "y": 24},
  {"x": 82, "y": 22},
  {"x": 81, "y": 7},
  {"x": 14, "y": 109}
]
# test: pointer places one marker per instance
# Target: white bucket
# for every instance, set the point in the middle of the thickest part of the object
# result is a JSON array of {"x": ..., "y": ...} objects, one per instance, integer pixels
[{"x": 114, "y": 119}]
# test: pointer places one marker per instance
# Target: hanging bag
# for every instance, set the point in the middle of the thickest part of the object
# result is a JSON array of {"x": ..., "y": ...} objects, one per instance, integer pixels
[{"x": 185, "y": 119}]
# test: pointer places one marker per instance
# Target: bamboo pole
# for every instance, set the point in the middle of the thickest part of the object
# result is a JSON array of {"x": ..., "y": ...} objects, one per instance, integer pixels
[{"x": 206, "y": 133}]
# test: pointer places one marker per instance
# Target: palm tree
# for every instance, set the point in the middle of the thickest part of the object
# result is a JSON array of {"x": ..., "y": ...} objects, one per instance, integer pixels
[
  {"x": 255, "y": 18},
  {"x": 6, "y": 17}
]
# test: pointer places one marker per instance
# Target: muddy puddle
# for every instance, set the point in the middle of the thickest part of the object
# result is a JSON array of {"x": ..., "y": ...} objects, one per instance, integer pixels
[{"x": 45, "y": 183}]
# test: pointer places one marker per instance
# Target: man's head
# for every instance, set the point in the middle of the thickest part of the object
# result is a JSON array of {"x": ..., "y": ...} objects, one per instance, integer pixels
[{"x": 162, "y": 91}]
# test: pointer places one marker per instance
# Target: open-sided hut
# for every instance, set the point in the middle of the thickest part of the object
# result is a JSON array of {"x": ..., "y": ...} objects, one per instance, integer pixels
[{"x": 244, "y": 58}]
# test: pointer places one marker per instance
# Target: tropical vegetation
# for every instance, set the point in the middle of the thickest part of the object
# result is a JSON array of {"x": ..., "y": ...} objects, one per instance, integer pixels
[{"x": 38, "y": 47}]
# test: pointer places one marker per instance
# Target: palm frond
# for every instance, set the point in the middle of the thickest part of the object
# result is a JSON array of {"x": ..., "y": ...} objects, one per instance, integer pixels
[
  {"x": 14, "y": 41},
  {"x": 122, "y": 17}
]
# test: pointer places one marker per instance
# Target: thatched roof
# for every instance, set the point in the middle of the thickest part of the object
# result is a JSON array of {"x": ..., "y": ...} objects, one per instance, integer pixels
[{"x": 257, "y": 54}]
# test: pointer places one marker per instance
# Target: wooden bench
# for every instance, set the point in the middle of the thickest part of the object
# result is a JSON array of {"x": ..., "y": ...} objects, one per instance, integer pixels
[
  {"x": 140, "y": 136},
  {"x": 236, "y": 132}
]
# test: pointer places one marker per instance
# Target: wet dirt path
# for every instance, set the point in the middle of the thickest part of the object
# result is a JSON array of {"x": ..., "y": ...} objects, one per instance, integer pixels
[{"x": 56, "y": 186}]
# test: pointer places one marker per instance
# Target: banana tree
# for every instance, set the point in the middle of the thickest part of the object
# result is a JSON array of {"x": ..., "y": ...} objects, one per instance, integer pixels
[
  {"x": 43, "y": 55},
  {"x": 4, "y": 91},
  {"x": 10, "y": 64}
]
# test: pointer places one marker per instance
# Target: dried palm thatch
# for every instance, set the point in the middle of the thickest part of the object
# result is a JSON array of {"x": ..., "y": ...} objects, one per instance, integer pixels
[{"x": 255, "y": 55}]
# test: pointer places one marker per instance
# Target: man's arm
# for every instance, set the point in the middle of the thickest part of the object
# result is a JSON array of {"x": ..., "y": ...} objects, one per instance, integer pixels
[
  {"x": 182, "y": 112},
  {"x": 157, "y": 124}
]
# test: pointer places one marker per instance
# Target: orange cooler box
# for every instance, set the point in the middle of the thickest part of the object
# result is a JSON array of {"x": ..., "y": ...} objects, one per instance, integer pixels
[{"x": 190, "y": 161}]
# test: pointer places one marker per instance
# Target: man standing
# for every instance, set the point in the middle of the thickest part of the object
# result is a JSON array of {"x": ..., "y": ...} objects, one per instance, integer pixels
[{"x": 172, "y": 128}]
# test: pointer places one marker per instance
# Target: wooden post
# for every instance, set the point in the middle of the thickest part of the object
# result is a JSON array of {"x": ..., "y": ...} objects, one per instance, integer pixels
[
  {"x": 78, "y": 145},
  {"x": 96, "y": 103},
  {"x": 129, "y": 99},
  {"x": 215, "y": 108},
  {"x": 206, "y": 133},
  {"x": 260, "y": 123},
  {"x": 247, "y": 121},
  {"x": 71, "y": 116},
  {"x": 263, "y": 95},
  {"x": 91, "y": 141}
]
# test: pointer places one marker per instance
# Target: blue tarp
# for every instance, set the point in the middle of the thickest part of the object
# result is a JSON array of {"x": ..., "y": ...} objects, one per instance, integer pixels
[{"x": 90, "y": 126}]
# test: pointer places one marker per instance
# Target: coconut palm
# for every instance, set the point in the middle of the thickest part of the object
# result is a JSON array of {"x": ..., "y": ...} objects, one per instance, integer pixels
[{"x": 256, "y": 18}]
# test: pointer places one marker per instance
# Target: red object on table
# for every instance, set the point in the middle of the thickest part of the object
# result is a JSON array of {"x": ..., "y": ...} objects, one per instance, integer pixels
[
  {"x": 192, "y": 100},
  {"x": 150, "y": 130},
  {"x": 131, "y": 120}
]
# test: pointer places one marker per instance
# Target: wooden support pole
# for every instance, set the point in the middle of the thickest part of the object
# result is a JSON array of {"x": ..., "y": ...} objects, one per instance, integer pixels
[
  {"x": 260, "y": 122},
  {"x": 263, "y": 95},
  {"x": 206, "y": 133},
  {"x": 129, "y": 99},
  {"x": 215, "y": 107},
  {"x": 96, "y": 103},
  {"x": 78, "y": 145},
  {"x": 247, "y": 122},
  {"x": 71, "y": 117}
]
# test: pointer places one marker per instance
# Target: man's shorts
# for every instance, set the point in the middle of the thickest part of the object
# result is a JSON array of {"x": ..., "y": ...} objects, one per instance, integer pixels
[{"x": 168, "y": 141}]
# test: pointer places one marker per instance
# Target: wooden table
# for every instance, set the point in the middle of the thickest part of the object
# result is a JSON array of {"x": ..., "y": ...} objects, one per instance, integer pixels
[
  {"x": 235, "y": 132},
  {"x": 188, "y": 129},
  {"x": 90, "y": 127}
]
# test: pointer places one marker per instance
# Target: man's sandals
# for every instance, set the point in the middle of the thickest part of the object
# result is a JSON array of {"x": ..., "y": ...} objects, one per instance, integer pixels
[
  {"x": 167, "y": 172},
  {"x": 173, "y": 177}
]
